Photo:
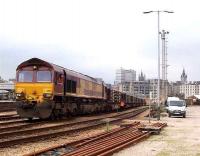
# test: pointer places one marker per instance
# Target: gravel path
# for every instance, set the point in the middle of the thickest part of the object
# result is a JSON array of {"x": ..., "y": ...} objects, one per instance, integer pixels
[{"x": 180, "y": 138}]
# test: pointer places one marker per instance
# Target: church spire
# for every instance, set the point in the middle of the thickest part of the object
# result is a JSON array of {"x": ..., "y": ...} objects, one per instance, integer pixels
[
  {"x": 141, "y": 77},
  {"x": 183, "y": 77}
]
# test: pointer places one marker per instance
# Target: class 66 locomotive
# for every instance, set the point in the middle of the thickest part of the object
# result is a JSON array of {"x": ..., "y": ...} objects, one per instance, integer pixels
[{"x": 45, "y": 90}]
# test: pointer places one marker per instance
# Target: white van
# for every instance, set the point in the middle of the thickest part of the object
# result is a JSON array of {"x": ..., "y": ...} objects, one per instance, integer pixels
[
  {"x": 168, "y": 100},
  {"x": 175, "y": 106}
]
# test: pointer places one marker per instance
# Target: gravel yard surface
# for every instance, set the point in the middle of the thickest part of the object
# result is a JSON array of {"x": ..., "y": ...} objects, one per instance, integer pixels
[
  {"x": 180, "y": 138},
  {"x": 31, "y": 147},
  {"x": 20, "y": 150}
]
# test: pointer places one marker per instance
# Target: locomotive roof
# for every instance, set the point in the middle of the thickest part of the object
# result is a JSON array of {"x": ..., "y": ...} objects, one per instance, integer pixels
[{"x": 37, "y": 61}]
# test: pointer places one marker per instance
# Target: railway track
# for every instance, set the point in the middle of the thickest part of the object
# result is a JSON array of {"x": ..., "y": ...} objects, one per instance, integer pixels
[
  {"x": 19, "y": 125},
  {"x": 9, "y": 138},
  {"x": 102, "y": 144},
  {"x": 9, "y": 117},
  {"x": 6, "y": 106},
  {"x": 23, "y": 123},
  {"x": 6, "y": 120},
  {"x": 14, "y": 122}
]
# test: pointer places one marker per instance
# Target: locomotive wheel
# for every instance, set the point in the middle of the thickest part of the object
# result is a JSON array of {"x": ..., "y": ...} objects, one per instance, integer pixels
[
  {"x": 96, "y": 110},
  {"x": 74, "y": 113},
  {"x": 45, "y": 109},
  {"x": 30, "y": 119},
  {"x": 56, "y": 114},
  {"x": 52, "y": 116},
  {"x": 67, "y": 113}
]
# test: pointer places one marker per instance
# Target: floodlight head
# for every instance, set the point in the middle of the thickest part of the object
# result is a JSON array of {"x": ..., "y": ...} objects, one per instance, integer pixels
[
  {"x": 169, "y": 11},
  {"x": 147, "y": 12}
]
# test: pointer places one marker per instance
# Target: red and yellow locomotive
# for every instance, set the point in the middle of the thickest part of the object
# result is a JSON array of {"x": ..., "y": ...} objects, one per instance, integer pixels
[{"x": 47, "y": 90}]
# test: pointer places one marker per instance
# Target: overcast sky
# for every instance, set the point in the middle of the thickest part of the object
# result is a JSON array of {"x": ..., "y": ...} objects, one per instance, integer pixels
[{"x": 96, "y": 37}]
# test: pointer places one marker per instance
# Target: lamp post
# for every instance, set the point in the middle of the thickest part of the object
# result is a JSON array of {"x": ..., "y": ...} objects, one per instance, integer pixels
[{"x": 158, "y": 89}]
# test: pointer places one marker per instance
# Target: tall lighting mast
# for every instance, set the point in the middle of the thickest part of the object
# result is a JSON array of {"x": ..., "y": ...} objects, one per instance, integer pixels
[
  {"x": 158, "y": 87},
  {"x": 164, "y": 65}
]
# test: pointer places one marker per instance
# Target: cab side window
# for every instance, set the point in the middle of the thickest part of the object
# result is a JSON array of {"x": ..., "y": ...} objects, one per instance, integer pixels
[
  {"x": 71, "y": 86},
  {"x": 59, "y": 78}
]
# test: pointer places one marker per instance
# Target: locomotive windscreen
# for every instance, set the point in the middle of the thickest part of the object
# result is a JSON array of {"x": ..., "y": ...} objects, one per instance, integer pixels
[
  {"x": 43, "y": 76},
  {"x": 25, "y": 76}
]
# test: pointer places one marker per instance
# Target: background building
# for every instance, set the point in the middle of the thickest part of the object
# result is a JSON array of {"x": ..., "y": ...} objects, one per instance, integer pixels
[
  {"x": 126, "y": 82},
  {"x": 124, "y": 75},
  {"x": 190, "y": 89},
  {"x": 183, "y": 88}
]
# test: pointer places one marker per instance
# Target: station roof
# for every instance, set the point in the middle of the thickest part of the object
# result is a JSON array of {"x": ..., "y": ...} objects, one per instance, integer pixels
[{"x": 197, "y": 96}]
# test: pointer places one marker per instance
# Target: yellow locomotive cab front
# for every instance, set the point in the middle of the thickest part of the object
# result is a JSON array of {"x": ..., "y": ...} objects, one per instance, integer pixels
[{"x": 34, "y": 92}]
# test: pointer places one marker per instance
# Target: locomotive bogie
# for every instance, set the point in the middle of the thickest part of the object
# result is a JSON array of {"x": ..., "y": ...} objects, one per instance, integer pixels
[{"x": 41, "y": 110}]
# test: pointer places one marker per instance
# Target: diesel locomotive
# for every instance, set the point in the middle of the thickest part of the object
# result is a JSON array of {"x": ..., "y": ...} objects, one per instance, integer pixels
[{"x": 45, "y": 90}]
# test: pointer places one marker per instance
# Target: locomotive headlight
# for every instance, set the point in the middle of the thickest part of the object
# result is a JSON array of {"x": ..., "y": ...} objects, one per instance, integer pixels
[
  {"x": 47, "y": 95},
  {"x": 20, "y": 95}
]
